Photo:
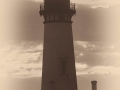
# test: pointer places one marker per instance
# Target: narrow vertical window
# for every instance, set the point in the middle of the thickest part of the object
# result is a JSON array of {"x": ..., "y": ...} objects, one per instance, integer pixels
[
  {"x": 54, "y": 16},
  {"x": 49, "y": 16},
  {"x": 63, "y": 67},
  {"x": 59, "y": 16},
  {"x": 52, "y": 84},
  {"x": 62, "y": 16}
]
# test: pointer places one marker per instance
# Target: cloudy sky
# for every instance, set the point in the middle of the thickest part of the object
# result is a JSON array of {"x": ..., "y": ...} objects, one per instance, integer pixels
[{"x": 96, "y": 44}]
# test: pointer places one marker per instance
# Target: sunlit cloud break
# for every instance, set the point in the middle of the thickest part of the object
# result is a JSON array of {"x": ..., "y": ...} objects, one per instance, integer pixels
[
  {"x": 13, "y": 64},
  {"x": 93, "y": 3}
]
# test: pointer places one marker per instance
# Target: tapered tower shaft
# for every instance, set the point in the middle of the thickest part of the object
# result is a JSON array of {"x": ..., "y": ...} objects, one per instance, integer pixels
[{"x": 58, "y": 72}]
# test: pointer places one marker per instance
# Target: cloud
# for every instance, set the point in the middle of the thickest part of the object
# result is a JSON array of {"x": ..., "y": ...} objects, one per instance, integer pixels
[
  {"x": 24, "y": 23},
  {"x": 99, "y": 70},
  {"x": 97, "y": 58},
  {"x": 98, "y": 3},
  {"x": 93, "y": 3},
  {"x": 25, "y": 58},
  {"x": 29, "y": 71},
  {"x": 17, "y": 61},
  {"x": 91, "y": 28},
  {"x": 80, "y": 68},
  {"x": 95, "y": 53},
  {"x": 16, "y": 58},
  {"x": 96, "y": 24},
  {"x": 102, "y": 70}
]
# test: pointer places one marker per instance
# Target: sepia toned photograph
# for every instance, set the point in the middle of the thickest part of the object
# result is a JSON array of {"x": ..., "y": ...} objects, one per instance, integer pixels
[{"x": 59, "y": 45}]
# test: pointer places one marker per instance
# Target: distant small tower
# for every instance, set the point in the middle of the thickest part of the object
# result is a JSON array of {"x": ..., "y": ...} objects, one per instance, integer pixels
[
  {"x": 94, "y": 85},
  {"x": 58, "y": 72}
]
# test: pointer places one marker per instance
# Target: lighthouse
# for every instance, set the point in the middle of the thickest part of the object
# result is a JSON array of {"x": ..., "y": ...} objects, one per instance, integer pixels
[{"x": 58, "y": 69}]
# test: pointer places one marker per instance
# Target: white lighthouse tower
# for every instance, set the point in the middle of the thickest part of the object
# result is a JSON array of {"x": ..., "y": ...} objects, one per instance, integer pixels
[{"x": 58, "y": 72}]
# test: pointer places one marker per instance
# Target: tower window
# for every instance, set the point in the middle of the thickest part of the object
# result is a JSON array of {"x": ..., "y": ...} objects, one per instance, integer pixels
[
  {"x": 61, "y": 16},
  {"x": 63, "y": 67},
  {"x": 52, "y": 85}
]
